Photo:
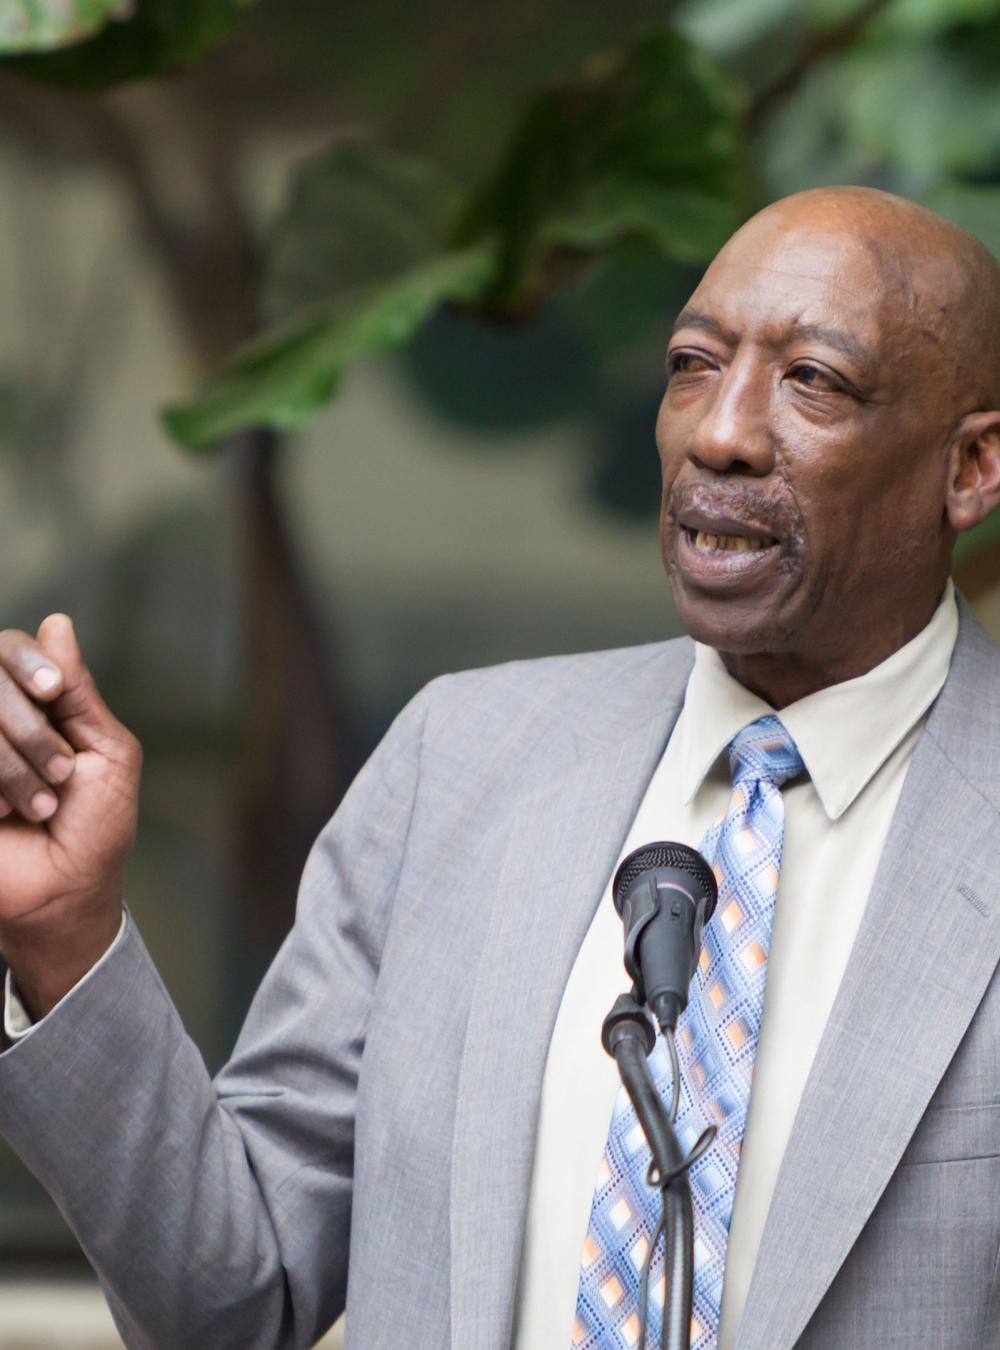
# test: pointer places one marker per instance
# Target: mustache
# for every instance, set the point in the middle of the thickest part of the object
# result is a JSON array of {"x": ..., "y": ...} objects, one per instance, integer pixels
[{"x": 775, "y": 512}]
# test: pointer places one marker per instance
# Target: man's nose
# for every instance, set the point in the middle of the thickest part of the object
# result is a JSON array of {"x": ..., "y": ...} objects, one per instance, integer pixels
[{"x": 733, "y": 434}]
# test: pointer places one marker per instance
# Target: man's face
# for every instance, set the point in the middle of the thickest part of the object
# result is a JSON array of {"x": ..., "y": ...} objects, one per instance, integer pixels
[{"x": 802, "y": 443}]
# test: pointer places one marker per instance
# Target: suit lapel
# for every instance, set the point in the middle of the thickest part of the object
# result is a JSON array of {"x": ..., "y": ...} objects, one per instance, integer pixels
[
  {"x": 926, "y": 950},
  {"x": 563, "y": 843}
]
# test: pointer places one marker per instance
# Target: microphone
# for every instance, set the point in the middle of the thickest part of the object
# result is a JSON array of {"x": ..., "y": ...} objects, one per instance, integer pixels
[{"x": 665, "y": 894}]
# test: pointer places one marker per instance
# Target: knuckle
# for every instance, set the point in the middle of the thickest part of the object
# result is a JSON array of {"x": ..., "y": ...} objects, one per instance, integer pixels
[
  {"x": 17, "y": 779},
  {"x": 33, "y": 735},
  {"x": 36, "y": 735},
  {"x": 14, "y": 644},
  {"x": 40, "y": 750},
  {"x": 13, "y": 700}
]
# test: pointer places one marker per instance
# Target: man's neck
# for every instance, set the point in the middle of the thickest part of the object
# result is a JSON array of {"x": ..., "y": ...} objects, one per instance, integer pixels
[{"x": 782, "y": 678}]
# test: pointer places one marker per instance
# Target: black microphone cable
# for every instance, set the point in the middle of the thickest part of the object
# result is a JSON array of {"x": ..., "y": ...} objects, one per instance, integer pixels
[
  {"x": 628, "y": 1036},
  {"x": 677, "y": 1230}
]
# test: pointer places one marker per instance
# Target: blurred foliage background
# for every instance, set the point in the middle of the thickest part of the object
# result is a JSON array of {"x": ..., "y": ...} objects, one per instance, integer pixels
[{"x": 331, "y": 341}]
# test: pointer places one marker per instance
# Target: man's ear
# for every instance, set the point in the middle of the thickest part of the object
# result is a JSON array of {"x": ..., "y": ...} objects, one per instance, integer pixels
[{"x": 973, "y": 488}]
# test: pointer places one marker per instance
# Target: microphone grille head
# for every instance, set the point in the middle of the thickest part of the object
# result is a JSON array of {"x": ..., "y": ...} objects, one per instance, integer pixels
[{"x": 663, "y": 854}]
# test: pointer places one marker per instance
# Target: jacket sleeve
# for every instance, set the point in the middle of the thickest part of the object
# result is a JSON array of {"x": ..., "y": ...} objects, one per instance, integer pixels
[{"x": 218, "y": 1214}]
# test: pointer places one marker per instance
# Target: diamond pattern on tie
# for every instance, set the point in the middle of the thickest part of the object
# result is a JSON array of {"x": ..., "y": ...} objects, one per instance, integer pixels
[{"x": 716, "y": 1042}]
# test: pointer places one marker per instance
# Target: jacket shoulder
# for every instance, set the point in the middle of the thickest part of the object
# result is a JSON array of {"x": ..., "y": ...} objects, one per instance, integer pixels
[
  {"x": 965, "y": 718},
  {"x": 544, "y": 707}
]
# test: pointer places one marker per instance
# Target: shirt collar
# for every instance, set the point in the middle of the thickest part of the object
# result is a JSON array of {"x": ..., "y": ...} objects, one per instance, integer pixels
[{"x": 844, "y": 733}]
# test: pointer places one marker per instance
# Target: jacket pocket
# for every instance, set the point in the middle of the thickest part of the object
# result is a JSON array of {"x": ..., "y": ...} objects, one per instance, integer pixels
[{"x": 954, "y": 1133}]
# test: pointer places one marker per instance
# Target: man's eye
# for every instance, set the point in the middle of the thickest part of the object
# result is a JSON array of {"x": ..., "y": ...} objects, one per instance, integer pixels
[
  {"x": 685, "y": 363},
  {"x": 815, "y": 377}
]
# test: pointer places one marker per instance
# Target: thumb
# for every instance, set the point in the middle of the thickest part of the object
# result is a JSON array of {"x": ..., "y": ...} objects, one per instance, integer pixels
[{"x": 83, "y": 716}]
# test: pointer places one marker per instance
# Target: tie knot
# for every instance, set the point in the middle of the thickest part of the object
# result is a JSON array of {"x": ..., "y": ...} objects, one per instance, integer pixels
[{"x": 764, "y": 750}]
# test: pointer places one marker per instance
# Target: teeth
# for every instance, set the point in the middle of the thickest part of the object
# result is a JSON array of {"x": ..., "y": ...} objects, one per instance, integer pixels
[{"x": 736, "y": 542}]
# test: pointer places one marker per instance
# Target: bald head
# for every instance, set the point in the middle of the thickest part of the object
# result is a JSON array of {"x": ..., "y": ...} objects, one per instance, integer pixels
[
  {"x": 927, "y": 275},
  {"x": 831, "y": 424}
]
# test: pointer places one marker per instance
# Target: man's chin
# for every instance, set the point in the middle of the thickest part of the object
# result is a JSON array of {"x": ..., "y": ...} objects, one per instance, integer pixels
[
  {"x": 734, "y": 626},
  {"x": 735, "y": 601}
]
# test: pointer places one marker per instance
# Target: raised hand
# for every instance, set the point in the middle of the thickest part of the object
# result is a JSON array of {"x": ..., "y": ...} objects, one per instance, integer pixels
[{"x": 69, "y": 792}]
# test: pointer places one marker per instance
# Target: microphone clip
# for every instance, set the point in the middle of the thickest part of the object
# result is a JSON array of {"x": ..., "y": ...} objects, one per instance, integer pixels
[{"x": 628, "y": 1019}]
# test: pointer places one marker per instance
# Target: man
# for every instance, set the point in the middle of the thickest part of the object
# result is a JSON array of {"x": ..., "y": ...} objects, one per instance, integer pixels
[{"x": 419, "y": 1086}]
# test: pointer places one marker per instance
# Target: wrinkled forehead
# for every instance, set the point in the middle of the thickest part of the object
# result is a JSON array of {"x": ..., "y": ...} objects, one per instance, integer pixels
[{"x": 769, "y": 280}]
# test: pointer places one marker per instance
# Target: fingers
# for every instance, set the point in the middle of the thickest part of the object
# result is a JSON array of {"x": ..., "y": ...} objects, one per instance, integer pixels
[
  {"x": 84, "y": 718},
  {"x": 29, "y": 731},
  {"x": 28, "y": 663},
  {"x": 34, "y": 756},
  {"x": 38, "y": 744},
  {"x": 23, "y": 788}
]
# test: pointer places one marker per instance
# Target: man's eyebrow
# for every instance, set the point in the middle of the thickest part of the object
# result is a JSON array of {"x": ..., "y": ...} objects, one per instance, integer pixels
[
  {"x": 809, "y": 332},
  {"x": 835, "y": 337},
  {"x": 695, "y": 318}
]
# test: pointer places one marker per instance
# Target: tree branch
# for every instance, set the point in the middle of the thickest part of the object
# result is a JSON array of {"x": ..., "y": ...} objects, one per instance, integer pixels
[
  {"x": 814, "y": 51},
  {"x": 68, "y": 124}
]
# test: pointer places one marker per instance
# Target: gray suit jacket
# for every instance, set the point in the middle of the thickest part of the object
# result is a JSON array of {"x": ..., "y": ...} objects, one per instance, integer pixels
[{"x": 372, "y": 1137}]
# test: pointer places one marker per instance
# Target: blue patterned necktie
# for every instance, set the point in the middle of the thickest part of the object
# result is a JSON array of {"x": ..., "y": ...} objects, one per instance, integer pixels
[{"x": 716, "y": 1042}]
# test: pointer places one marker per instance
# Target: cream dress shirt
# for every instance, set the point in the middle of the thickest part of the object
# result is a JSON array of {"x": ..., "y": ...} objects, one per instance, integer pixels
[{"x": 856, "y": 740}]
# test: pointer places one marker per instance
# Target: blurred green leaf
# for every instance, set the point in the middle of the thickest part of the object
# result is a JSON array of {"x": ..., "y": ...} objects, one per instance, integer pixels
[
  {"x": 641, "y": 145},
  {"x": 633, "y": 296},
  {"x": 282, "y": 377},
  {"x": 592, "y": 352},
  {"x": 356, "y": 216},
  {"x": 500, "y": 378},
  {"x": 445, "y": 79},
  {"x": 798, "y": 149},
  {"x": 727, "y": 26},
  {"x": 923, "y": 108},
  {"x": 928, "y": 18},
  {"x": 37, "y": 25},
  {"x": 161, "y": 35},
  {"x": 976, "y": 209}
]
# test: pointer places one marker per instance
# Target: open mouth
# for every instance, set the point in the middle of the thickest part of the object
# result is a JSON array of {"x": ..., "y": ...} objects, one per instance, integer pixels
[
  {"x": 709, "y": 560},
  {"x": 734, "y": 543}
]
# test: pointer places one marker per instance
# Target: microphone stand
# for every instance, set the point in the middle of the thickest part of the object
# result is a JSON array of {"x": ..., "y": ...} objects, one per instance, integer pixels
[{"x": 628, "y": 1036}]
